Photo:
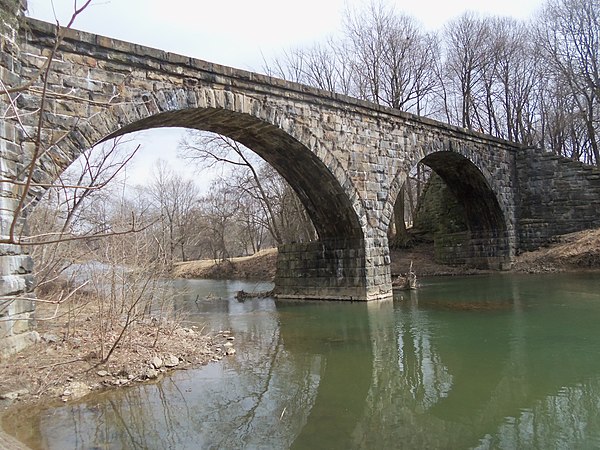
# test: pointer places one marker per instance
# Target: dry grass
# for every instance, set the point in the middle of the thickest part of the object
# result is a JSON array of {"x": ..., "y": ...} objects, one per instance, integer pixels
[
  {"x": 574, "y": 251},
  {"x": 260, "y": 266}
]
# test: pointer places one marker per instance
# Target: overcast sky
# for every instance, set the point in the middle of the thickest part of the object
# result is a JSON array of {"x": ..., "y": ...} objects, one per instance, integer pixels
[{"x": 239, "y": 33}]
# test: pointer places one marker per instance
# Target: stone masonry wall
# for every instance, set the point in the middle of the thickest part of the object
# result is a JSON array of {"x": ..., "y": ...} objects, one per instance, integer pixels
[
  {"x": 16, "y": 282},
  {"x": 335, "y": 270},
  {"x": 557, "y": 196}
]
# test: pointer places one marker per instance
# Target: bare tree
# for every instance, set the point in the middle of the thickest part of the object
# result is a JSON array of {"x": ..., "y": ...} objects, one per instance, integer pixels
[
  {"x": 467, "y": 40},
  {"x": 26, "y": 179},
  {"x": 74, "y": 209},
  {"x": 174, "y": 199},
  {"x": 267, "y": 207},
  {"x": 392, "y": 61},
  {"x": 568, "y": 35},
  {"x": 64, "y": 230},
  {"x": 220, "y": 207},
  {"x": 209, "y": 150},
  {"x": 290, "y": 215},
  {"x": 516, "y": 81},
  {"x": 325, "y": 66}
]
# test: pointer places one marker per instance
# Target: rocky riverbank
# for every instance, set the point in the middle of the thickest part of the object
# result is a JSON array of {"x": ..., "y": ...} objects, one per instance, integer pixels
[{"x": 66, "y": 366}]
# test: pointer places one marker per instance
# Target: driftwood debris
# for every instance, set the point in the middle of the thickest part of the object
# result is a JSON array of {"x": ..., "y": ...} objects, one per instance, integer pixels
[
  {"x": 242, "y": 295},
  {"x": 406, "y": 281}
]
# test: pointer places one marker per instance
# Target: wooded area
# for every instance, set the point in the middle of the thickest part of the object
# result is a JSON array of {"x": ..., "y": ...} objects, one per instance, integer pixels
[{"x": 534, "y": 82}]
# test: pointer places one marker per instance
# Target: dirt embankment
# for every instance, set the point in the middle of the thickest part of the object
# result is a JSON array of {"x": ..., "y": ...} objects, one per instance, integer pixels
[
  {"x": 570, "y": 252},
  {"x": 260, "y": 266},
  {"x": 576, "y": 251}
]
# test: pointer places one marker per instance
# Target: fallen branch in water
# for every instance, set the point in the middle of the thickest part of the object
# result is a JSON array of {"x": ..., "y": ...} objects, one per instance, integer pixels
[{"x": 243, "y": 295}]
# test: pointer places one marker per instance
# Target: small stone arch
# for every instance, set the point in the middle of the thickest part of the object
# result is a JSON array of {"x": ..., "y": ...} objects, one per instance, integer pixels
[{"x": 468, "y": 178}]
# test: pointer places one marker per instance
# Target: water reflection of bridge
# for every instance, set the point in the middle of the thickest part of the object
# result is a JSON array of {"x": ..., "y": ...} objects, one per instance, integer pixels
[{"x": 413, "y": 385}]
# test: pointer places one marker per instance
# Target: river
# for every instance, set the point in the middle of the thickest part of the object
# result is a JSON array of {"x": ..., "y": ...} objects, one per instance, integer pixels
[{"x": 488, "y": 362}]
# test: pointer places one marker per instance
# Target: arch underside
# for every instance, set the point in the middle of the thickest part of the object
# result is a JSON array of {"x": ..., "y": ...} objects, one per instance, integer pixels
[
  {"x": 327, "y": 204},
  {"x": 334, "y": 266},
  {"x": 486, "y": 242}
]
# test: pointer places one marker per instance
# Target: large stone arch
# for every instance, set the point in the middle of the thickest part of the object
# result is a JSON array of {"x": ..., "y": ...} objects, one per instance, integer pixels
[
  {"x": 285, "y": 142},
  {"x": 488, "y": 215},
  {"x": 334, "y": 266}
]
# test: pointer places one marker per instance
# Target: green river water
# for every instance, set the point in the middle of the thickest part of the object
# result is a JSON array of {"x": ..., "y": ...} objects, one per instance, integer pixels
[{"x": 487, "y": 362}]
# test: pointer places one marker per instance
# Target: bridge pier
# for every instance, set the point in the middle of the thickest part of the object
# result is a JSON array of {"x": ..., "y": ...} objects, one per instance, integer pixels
[{"x": 334, "y": 269}]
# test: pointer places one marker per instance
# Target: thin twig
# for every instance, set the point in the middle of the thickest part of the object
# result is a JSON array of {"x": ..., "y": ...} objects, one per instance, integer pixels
[{"x": 23, "y": 241}]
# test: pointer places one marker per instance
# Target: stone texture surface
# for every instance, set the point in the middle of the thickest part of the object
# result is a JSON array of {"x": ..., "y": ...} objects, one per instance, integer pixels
[
  {"x": 556, "y": 196},
  {"x": 16, "y": 283},
  {"x": 346, "y": 159}
]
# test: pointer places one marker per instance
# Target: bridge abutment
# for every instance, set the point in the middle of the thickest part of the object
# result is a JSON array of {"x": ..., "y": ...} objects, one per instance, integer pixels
[
  {"x": 486, "y": 250},
  {"x": 557, "y": 196},
  {"x": 16, "y": 281}
]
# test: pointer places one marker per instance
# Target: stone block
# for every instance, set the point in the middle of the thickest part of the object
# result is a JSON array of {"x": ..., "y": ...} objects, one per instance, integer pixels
[
  {"x": 21, "y": 325},
  {"x": 19, "y": 305},
  {"x": 12, "y": 285},
  {"x": 16, "y": 343}
]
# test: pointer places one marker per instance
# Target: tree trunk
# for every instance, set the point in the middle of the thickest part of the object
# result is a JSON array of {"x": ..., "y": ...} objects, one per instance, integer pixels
[{"x": 401, "y": 239}]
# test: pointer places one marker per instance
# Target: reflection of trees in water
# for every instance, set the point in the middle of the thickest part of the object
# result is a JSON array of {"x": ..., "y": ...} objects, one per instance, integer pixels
[
  {"x": 568, "y": 419},
  {"x": 431, "y": 389},
  {"x": 409, "y": 377},
  {"x": 424, "y": 374},
  {"x": 382, "y": 375},
  {"x": 140, "y": 418},
  {"x": 259, "y": 398},
  {"x": 266, "y": 398}
]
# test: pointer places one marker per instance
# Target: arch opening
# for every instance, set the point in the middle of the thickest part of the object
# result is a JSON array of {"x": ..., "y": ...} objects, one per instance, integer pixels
[
  {"x": 459, "y": 212},
  {"x": 326, "y": 202},
  {"x": 333, "y": 267}
]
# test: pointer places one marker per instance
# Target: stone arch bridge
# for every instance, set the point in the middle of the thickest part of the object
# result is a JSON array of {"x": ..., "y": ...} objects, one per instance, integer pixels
[{"x": 346, "y": 159}]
